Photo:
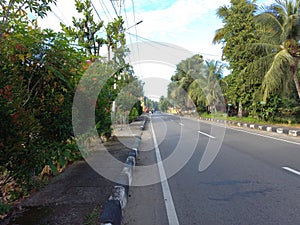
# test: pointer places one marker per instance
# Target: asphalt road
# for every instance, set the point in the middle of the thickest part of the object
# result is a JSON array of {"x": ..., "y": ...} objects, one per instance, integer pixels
[{"x": 253, "y": 179}]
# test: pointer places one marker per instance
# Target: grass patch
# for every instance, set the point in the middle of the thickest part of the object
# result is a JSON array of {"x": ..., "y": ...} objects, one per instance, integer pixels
[
  {"x": 278, "y": 121},
  {"x": 4, "y": 208},
  {"x": 93, "y": 217}
]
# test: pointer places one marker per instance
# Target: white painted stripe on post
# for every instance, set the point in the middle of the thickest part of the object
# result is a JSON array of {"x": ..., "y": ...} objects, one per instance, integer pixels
[{"x": 171, "y": 212}]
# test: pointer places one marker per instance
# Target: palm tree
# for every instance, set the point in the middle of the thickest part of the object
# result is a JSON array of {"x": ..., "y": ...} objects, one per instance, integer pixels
[
  {"x": 186, "y": 72},
  {"x": 222, "y": 13},
  {"x": 206, "y": 86},
  {"x": 280, "y": 41}
]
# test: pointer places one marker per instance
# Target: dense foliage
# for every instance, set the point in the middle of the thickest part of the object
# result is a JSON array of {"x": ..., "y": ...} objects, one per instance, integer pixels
[
  {"x": 40, "y": 71},
  {"x": 261, "y": 46},
  {"x": 195, "y": 84},
  {"x": 237, "y": 36}
]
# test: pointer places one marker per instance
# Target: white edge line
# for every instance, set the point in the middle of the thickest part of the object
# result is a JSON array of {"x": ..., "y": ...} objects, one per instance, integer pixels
[
  {"x": 266, "y": 136},
  {"x": 248, "y": 132},
  {"x": 205, "y": 134},
  {"x": 291, "y": 170},
  {"x": 171, "y": 212}
]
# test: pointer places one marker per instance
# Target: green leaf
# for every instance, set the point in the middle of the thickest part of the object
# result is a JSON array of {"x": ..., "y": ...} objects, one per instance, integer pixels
[{"x": 53, "y": 169}]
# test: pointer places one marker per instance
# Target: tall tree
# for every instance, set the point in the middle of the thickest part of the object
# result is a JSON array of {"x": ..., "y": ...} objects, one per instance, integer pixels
[
  {"x": 238, "y": 32},
  {"x": 116, "y": 39},
  {"x": 92, "y": 35},
  {"x": 186, "y": 72},
  {"x": 85, "y": 31},
  {"x": 281, "y": 21},
  {"x": 205, "y": 88}
]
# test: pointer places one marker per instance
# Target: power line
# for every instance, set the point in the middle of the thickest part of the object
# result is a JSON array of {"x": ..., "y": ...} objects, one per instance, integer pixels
[
  {"x": 105, "y": 9},
  {"x": 165, "y": 45},
  {"x": 58, "y": 17},
  {"x": 135, "y": 28},
  {"x": 155, "y": 42},
  {"x": 96, "y": 11},
  {"x": 130, "y": 39},
  {"x": 62, "y": 14},
  {"x": 111, "y": 1}
]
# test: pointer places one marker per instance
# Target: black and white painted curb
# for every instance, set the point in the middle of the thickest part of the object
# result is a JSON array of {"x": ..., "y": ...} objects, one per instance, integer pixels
[
  {"x": 112, "y": 212},
  {"x": 279, "y": 130}
]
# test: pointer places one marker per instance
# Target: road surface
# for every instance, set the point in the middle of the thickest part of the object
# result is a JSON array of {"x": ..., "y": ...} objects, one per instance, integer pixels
[{"x": 254, "y": 178}]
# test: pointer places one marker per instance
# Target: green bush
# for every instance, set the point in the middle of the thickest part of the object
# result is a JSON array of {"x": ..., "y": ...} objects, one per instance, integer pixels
[{"x": 133, "y": 114}]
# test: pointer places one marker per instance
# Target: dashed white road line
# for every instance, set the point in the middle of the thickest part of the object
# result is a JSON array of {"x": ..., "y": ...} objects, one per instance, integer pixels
[
  {"x": 291, "y": 170},
  {"x": 205, "y": 134},
  {"x": 266, "y": 136},
  {"x": 181, "y": 124},
  {"x": 249, "y": 132},
  {"x": 171, "y": 212}
]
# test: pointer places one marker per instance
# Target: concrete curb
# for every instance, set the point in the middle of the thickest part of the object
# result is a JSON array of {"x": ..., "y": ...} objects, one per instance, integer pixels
[
  {"x": 112, "y": 212},
  {"x": 279, "y": 130}
]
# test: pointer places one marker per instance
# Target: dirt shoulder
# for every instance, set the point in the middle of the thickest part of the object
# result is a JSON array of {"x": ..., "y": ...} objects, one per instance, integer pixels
[{"x": 78, "y": 194}]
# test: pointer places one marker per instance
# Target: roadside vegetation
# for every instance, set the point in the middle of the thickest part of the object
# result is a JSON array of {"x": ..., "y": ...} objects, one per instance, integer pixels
[
  {"x": 261, "y": 46},
  {"x": 40, "y": 71}
]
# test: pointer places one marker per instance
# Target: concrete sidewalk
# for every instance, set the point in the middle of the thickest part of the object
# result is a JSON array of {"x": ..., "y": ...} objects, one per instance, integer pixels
[{"x": 78, "y": 194}]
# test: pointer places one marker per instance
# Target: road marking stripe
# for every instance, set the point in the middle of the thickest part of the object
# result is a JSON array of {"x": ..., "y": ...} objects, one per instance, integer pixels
[
  {"x": 171, "y": 212},
  {"x": 205, "y": 134},
  {"x": 266, "y": 136},
  {"x": 181, "y": 124},
  {"x": 291, "y": 170},
  {"x": 248, "y": 132}
]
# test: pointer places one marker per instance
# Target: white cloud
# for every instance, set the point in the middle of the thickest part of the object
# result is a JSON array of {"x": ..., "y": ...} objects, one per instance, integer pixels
[
  {"x": 177, "y": 17},
  {"x": 187, "y": 23},
  {"x": 182, "y": 24}
]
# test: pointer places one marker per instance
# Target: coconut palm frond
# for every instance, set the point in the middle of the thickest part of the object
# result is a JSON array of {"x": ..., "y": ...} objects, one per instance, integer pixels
[
  {"x": 275, "y": 78},
  {"x": 222, "y": 12},
  {"x": 272, "y": 25},
  {"x": 219, "y": 34},
  {"x": 264, "y": 47},
  {"x": 195, "y": 92},
  {"x": 259, "y": 67},
  {"x": 292, "y": 26}
]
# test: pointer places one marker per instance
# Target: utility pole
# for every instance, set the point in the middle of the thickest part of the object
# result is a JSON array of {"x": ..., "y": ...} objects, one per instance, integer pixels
[{"x": 109, "y": 58}]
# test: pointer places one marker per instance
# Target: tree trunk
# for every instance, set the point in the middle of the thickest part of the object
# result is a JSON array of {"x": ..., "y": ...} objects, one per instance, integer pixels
[
  {"x": 295, "y": 77},
  {"x": 240, "y": 110},
  {"x": 297, "y": 84}
]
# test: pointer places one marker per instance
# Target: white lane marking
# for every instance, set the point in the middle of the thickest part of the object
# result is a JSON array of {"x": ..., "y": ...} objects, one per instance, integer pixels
[
  {"x": 248, "y": 132},
  {"x": 205, "y": 134},
  {"x": 181, "y": 124},
  {"x": 291, "y": 170},
  {"x": 266, "y": 136},
  {"x": 171, "y": 212}
]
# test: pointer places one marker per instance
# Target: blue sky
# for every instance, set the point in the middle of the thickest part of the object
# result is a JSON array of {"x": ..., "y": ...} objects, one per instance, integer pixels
[
  {"x": 189, "y": 24},
  {"x": 152, "y": 5}
]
